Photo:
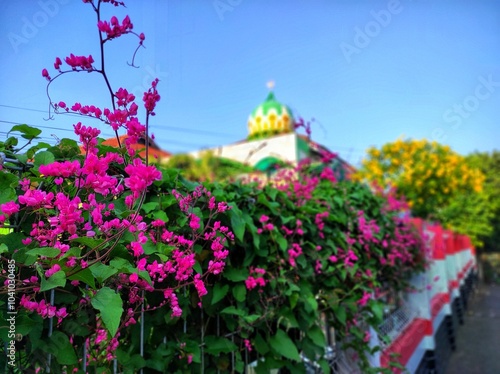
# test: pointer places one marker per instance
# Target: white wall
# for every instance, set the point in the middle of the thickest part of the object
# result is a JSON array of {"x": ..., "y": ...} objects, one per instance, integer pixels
[{"x": 283, "y": 147}]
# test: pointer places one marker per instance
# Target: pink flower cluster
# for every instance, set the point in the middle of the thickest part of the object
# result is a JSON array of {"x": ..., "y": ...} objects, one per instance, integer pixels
[
  {"x": 151, "y": 97},
  {"x": 140, "y": 177},
  {"x": 43, "y": 308},
  {"x": 113, "y": 28},
  {"x": 82, "y": 62},
  {"x": 88, "y": 137},
  {"x": 267, "y": 226},
  {"x": 85, "y": 110},
  {"x": 255, "y": 279},
  {"x": 123, "y": 97},
  {"x": 318, "y": 220},
  {"x": 293, "y": 253},
  {"x": 368, "y": 230},
  {"x": 9, "y": 208}
]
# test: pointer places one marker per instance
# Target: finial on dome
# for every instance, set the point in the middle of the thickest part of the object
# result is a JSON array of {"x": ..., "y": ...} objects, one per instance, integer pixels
[{"x": 270, "y": 85}]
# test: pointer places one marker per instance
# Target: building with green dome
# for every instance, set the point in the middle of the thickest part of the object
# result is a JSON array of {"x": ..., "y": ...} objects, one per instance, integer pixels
[
  {"x": 270, "y": 118},
  {"x": 272, "y": 141}
]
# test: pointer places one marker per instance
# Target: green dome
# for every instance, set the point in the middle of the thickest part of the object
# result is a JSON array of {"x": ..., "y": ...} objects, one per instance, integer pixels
[{"x": 269, "y": 119}]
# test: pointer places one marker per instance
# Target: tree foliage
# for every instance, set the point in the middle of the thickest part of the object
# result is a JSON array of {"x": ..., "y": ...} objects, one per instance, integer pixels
[
  {"x": 208, "y": 167},
  {"x": 489, "y": 164},
  {"x": 437, "y": 183}
]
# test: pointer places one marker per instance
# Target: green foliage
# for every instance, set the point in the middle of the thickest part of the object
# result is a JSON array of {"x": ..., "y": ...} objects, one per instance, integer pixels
[
  {"x": 208, "y": 167},
  {"x": 281, "y": 320},
  {"x": 488, "y": 208},
  {"x": 110, "y": 304}
]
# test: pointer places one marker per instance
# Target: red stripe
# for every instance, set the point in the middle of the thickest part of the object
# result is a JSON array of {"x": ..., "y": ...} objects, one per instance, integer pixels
[
  {"x": 406, "y": 343},
  {"x": 438, "y": 301}
]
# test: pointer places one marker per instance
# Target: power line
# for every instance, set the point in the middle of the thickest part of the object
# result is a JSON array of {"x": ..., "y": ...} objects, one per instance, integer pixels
[
  {"x": 172, "y": 128},
  {"x": 42, "y": 127},
  {"x": 159, "y": 127}
]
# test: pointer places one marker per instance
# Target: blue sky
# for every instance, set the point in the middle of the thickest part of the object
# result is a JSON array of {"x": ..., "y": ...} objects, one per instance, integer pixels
[{"x": 368, "y": 72}]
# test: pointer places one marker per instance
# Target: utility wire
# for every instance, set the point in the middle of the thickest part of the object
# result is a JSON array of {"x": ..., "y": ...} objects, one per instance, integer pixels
[
  {"x": 172, "y": 128},
  {"x": 159, "y": 127}
]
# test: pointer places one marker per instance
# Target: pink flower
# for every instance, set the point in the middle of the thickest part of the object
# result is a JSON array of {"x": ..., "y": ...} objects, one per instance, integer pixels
[
  {"x": 140, "y": 176},
  {"x": 57, "y": 63},
  {"x": 248, "y": 345},
  {"x": 199, "y": 285},
  {"x": 9, "y": 208},
  {"x": 364, "y": 299},
  {"x": 211, "y": 203},
  {"x": 101, "y": 336},
  {"x": 215, "y": 267},
  {"x": 136, "y": 248},
  {"x": 350, "y": 258},
  {"x": 54, "y": 269},
  {"x": 71, "y": 262},
  {"x": 367, "y": 337},
  {"x": 194, "y": 221},
  {"x": 133, "y": 278},
  {"x": 141, "y": 265},
  {"x": 263, "y": 218},
  {"x": 60, "y": 314}
]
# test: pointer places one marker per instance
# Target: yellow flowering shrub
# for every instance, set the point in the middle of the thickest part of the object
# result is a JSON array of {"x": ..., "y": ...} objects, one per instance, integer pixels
[{"x": 427, "y": 173}]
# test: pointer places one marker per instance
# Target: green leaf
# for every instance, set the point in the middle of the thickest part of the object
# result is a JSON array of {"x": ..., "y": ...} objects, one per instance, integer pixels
[
  {"x": 122, "y": 265},
  {"x": 377, "y": 309},
  {"x": 148, "y": 207},
  {"x": 283, "y": 345},
  {"x": 11, "y": 142},
  {"x": 237, "y": 222},
  {"x": 340, "y": 314},
  {"x": 6, "y": 195},
  {"x": 160, "y": 214},
  {"x": 24, "y": 325},
  {"x": 260, "y": 344},
  {"x": 8, "y": 180},
  {"x": 27, "y": 132},
  {"x": 282, "y": 242},
  {"x": 145, "y": 275},
  {"x": 311, "y": 303},
  {"x": 8, "y": 183},
  {"x": 61, "y": 347},
  {"x": 317, "y": 336},
  {"x": 215, "y": 345},
  {"x": 3, "y": 248},
  {"x": 57, "y": 279},
  {"x": 251, "y": 318},
  {"x": 102, "y": 272},
  {"x": 219, "y": 292},
  {"x": 89, "y": 242},
  {"x": 43, "y": 158},
  {"x": 44, "y": 251},
  {"x": 110, "y": 304},
  {"x": 240, "y": 292},
  {"x": 85, "y": 276},
  {"x": 232, "y": 310},
  {"x": 236, "y": 275}
]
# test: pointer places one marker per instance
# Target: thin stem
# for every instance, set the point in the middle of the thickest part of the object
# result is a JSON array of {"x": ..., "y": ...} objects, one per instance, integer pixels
[
  {"x": 103, "y": 70},
  {"x": 147, "y": 138}
]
